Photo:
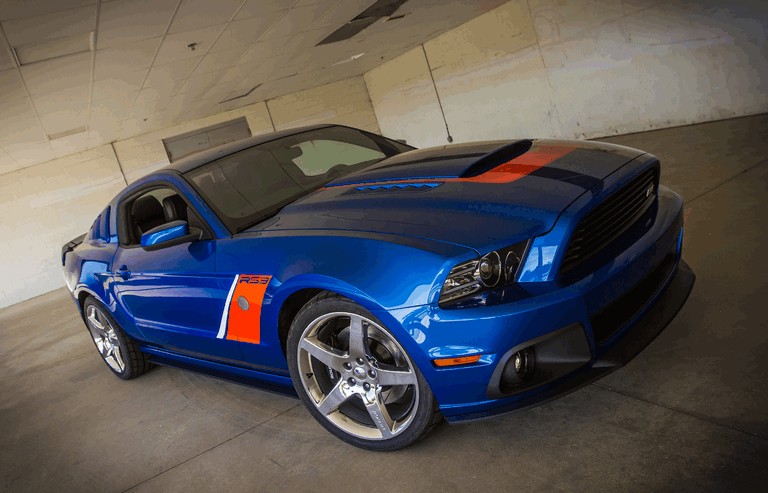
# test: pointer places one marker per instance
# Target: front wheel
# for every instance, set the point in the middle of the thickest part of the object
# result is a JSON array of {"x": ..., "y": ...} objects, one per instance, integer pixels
[{"x": 355, "y": 378}]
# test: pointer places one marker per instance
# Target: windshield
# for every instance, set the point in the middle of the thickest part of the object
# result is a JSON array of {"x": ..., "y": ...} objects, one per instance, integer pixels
[{"x": 251, "y": 185}]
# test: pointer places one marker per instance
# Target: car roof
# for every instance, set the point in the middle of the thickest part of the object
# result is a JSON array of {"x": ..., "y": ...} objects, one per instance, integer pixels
[{"x": 198, "y": 159}]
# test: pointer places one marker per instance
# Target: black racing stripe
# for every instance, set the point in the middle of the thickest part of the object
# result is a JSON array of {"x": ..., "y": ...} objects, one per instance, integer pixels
[
  {"x": 585, "y": 168},
  {"x": 572, "y": 177}
]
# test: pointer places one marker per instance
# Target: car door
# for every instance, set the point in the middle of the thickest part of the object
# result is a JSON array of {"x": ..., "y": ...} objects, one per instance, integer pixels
[{"x": 172, "y": 293}]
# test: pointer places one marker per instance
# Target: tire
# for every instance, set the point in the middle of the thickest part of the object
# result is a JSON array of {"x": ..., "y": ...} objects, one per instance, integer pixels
[
  {"x": 119, "y": 352},
  {"x": 355, "y": 378}
]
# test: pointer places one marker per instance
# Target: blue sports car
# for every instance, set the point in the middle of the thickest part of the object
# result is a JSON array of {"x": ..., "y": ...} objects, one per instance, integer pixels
[{"x": 388, "y": 287}]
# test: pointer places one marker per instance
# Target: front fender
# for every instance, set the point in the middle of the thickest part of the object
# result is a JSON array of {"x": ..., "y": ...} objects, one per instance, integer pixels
[
  {"x": 326, "y": 283},
  {"x": 377, "y": 274},
  {"x": 272, "y": 306},
  {"x": 374, "y": 272}
]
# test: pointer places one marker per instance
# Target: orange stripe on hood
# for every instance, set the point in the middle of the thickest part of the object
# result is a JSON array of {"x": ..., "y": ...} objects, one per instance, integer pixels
[
  {"x": 514, "y": 169},
  {"x": 506, "y": 172}
]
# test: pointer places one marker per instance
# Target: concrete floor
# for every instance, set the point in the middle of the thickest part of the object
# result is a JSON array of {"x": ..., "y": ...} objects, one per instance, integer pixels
[{"x": 689, "y": 414}]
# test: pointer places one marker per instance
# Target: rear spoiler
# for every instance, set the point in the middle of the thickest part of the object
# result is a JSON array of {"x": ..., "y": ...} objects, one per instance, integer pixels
[{"x": 68, "y": 247}]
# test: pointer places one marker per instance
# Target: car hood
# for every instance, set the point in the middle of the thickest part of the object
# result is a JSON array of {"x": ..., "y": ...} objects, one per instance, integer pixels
[{"x": 481, "y": 195}]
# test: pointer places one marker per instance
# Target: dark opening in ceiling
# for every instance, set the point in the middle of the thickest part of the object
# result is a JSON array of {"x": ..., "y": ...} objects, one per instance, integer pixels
[
  {"x": 245, "y": 94},
  {"x": 379, "y": 10}
]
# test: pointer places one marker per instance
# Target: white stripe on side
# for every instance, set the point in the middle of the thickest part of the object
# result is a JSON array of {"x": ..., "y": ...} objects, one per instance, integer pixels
[{"x": 225, "y": 315}]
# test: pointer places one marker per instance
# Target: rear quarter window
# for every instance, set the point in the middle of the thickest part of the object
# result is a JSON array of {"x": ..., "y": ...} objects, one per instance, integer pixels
[
  {"x": 100, "y": 228},
  {"x": 104, "y": 224},
  {"x": 94, "y": 232}
]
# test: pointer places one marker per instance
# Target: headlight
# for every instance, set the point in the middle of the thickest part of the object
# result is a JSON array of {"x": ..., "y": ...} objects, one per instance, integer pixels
[{"x": 497, "y": 268}]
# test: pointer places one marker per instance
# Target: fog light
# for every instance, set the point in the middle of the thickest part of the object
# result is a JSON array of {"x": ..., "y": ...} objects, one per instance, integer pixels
[{"x": 519, "y": 369}]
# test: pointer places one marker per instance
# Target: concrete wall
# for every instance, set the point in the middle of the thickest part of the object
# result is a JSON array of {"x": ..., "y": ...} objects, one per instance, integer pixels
[
  {"x": 578, "y": 69},
  {"x": 44, "y": 206},
  {"x": 145, "y": 153}
]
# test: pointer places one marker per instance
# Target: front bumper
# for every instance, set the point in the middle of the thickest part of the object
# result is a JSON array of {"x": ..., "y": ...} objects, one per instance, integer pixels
[
  {"x": 634, "y": 340},
  {"x": 620, "y": 308}
]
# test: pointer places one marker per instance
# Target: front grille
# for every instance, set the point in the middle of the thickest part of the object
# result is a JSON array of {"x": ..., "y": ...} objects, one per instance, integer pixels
[{"x": 610, "y": 219}]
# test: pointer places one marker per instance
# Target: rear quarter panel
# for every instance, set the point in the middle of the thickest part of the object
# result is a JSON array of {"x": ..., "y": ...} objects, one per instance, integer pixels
[{"x": 87, "y": 271}]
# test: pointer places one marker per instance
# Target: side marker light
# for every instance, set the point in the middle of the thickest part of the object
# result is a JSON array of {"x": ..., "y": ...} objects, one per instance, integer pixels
[{"x": 463, "y": 360}]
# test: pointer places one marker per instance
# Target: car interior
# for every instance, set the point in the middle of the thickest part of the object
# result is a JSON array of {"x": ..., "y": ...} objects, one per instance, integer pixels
[{"x": 158, "y": 207}]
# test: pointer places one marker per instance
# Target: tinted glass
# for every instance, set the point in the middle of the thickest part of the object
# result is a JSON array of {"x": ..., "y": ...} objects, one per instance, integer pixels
[
  {"x": 251, "y": 185},
  {"x": 146, "y": 212}
]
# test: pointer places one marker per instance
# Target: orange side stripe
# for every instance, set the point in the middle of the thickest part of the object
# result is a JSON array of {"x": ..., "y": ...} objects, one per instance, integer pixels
[{"x": 245, "y": 325}]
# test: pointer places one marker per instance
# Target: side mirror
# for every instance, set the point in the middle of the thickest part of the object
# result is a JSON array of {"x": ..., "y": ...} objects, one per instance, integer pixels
[{"x": 168, "y": 235}]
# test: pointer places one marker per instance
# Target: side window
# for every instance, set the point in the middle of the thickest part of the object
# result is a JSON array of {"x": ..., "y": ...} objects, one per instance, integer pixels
[{"x": 154, "y": 208}]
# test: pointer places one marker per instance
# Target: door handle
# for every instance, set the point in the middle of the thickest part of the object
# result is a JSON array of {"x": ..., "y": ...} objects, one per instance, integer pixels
[{"x": 124, "y": 272}]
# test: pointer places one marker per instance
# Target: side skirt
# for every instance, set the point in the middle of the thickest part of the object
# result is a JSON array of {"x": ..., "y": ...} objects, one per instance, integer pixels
[{"x": 265, "y": 381}]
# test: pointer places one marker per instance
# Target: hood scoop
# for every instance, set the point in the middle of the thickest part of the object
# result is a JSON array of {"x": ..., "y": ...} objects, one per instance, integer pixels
[
  {"x": 497, "y": 157},
  {"x": 426, "y": 165}
]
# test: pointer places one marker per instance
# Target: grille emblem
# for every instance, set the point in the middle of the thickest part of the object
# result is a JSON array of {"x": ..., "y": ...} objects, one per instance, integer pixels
[{"x": 649, "y": 191}]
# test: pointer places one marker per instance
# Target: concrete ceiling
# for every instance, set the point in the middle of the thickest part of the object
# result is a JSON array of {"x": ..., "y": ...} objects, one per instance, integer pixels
[{"x": 79, "y": 73}]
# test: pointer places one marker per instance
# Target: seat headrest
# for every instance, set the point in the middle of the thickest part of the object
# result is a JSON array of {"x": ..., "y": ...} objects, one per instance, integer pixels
[
  {"x": 174, "y": 208},
  {"x": 145, "y": 208}
]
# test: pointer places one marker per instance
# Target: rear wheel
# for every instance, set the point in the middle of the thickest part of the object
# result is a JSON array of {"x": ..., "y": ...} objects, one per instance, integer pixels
[
  {"x": 116, "y": 348},
  {"x": 355, "y": 378}
]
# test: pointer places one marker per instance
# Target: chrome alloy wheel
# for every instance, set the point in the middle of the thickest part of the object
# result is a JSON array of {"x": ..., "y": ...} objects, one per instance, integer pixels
[
  {"x": 105, "y": 338},
  {"x": 358, "y": 376}
]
